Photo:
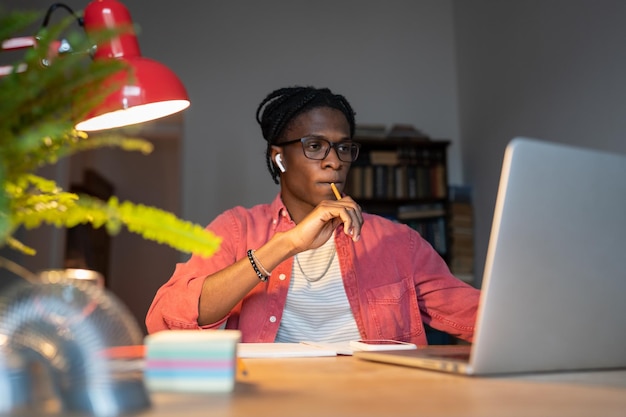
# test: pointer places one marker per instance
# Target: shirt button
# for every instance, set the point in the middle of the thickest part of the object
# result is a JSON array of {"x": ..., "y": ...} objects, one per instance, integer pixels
[
  {"x": 274, "y": 221},
  {"x": 282, "y": 277},
  {"x": 272, "y": 319}
]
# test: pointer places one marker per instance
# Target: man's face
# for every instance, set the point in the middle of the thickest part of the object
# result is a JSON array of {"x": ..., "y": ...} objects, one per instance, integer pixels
[{"x": 306, "y": 182}]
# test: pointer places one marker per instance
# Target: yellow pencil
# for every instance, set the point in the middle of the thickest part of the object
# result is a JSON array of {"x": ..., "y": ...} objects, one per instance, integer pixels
[{"x": 335, "y": 190}]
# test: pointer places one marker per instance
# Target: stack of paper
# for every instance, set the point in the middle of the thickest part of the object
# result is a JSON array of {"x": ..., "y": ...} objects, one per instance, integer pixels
[{"x": 191, "y": 360}]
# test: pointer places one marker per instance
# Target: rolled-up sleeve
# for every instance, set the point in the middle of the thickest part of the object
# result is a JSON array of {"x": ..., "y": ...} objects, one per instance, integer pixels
[{"x": 175, "y": 305}]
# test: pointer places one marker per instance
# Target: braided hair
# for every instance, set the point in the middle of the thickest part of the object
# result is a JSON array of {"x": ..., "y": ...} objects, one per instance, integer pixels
[{"x": 281, "y": 106}]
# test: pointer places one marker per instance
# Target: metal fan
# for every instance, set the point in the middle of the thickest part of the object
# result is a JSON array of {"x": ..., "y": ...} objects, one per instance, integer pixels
[{"x": 55, "y": 339}]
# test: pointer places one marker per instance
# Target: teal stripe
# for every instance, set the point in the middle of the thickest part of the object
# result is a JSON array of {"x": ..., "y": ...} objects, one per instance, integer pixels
[
  {"x": 188, "y": 353},
  {"x": 189, "y": 373}
]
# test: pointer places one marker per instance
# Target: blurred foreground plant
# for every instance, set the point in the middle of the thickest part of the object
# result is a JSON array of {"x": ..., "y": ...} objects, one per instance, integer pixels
[{"x": 38, "y": 111}]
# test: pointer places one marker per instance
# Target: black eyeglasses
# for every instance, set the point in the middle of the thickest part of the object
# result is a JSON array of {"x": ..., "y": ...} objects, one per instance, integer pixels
[{"x": 318, "y": 148}]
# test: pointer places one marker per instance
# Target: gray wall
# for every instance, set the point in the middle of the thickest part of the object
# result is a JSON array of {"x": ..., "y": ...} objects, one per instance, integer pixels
[
  {"x": 550, "y": 69},
  {"x": 477, "y": 72},
  {"x": 393, "y": 60}
]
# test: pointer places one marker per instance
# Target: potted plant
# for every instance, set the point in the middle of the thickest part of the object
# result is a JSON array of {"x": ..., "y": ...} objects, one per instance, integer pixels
[
  {"x": 37, "y": 128},
  {"x": 71, "y": 332}
]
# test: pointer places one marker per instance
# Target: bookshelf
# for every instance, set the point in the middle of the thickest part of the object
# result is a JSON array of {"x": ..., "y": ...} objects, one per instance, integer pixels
[
  {"x": 405, "y": 180},
  {"x": 461, "y": 233}
]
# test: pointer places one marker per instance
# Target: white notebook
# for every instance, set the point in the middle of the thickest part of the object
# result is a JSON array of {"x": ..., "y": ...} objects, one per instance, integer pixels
[{"x": 283, "y": 350}]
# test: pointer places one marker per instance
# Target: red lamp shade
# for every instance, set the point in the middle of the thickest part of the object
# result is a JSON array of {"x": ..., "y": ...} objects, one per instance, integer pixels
[{"x": 150, "y": 91}]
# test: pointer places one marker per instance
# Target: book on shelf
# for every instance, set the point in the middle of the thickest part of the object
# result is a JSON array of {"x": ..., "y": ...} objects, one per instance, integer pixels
[
  {"x": 411, "y": 178},
  {"x": 390, "y": 187},
  {"x": 400, "y": 185},
  {"x": 378, "y": 131},
  {"x": 355, "y": 181},
  {"x": 437, "y": 175},
  {"x": 463, "y": 242},
  {"x": 406, "y": 131},
  {"x": 461, "y": 216},
  {"x": 433, "y": 230},
  {"x": 460, "y": 193},
  {"x": 461, "y": 223},
  {"x": 461, "y": 232},
  {"x": 420, "y": 211},
  {"x": 467, "y": 277},
  {"x": 383, "y": 157},
  {"x": 462, "y": 265},
  {"x": 380, "y": 181},
  {"x": 372, "y": 131},
  {"x": 368, "y": 182},
  {"x": 461, "y": 208}
]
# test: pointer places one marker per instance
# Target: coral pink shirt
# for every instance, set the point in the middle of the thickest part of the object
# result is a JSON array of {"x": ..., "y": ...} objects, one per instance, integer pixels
[{"x": 394, "y": 281}]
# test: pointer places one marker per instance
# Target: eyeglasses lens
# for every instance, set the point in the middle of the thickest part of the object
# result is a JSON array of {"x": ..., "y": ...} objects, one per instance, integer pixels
[{"x": 317, "y": 148}]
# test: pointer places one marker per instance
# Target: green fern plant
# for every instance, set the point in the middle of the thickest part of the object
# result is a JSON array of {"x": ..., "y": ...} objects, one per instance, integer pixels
[{"x": 37, "y": 115}]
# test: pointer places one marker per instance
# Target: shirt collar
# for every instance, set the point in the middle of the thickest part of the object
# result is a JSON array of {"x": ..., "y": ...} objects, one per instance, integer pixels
[{"x": 279, "y": 211}]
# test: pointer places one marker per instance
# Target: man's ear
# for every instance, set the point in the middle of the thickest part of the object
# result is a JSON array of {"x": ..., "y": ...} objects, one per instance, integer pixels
[
  {"x": 274, "y": 151},
  {"x": 278, "y": 162}
]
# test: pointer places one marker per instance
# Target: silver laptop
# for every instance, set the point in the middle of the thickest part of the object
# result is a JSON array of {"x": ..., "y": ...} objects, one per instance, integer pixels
[{"x": 554, "y": 286}]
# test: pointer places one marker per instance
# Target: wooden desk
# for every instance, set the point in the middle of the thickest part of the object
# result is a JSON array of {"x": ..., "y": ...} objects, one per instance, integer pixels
[{"x": 346, "y": 386}]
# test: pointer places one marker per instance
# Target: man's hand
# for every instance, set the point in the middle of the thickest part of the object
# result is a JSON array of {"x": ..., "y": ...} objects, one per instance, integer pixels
[{"x": 317, "y": 227}]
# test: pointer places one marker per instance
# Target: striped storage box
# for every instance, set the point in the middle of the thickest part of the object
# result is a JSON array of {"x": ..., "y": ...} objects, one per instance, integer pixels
[{"x": 191, "y": 360}]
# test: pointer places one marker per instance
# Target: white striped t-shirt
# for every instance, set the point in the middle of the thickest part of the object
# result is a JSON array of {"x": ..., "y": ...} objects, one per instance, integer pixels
[{"x": 317, "y": 311}]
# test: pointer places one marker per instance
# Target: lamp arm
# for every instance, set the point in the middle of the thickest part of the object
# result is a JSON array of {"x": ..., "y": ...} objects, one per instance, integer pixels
[{"x": 55, "y": 6}]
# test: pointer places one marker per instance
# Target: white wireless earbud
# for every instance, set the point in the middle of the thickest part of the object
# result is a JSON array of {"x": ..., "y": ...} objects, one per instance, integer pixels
[{"x": 279, "y": 163}]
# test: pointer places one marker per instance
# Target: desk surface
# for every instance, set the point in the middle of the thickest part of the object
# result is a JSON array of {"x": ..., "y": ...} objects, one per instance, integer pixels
[{"x": 346, "y": 386}]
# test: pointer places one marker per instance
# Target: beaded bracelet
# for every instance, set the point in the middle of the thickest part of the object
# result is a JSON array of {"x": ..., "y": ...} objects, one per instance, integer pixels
[
  {"x": 260, "y": 265},
  {"x": 261, "y": 272}
]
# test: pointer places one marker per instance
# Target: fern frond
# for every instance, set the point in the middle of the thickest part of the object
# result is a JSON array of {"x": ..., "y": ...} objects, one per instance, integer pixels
[
  {"x": 110, "y": 140},
  {"x": 163, "y": 227},
  {"x": 19, "y": 246},
  {"x": 68, "y": 210}
]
